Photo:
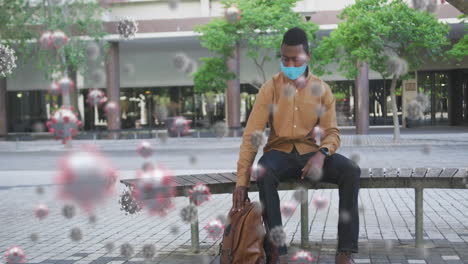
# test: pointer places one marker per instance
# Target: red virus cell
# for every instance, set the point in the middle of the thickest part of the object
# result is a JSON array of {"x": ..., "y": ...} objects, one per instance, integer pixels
[
  {"x": 302, "y": 257},
  {"x": 232, "y": 14},
  {"x": 111, "y": 108},
  {"x": 95, "y": 97},
  {"x": 54, "y": 89},
  {"x": 15, "y": 255},
  {"x": 257, "y": 171},
  {"x": 145, "y": 149},
  {"x": 180, "y": 126},
  {"x": 200, "y": 193},
  {"x": 154, "y": 190},
  {"x": 41, "y": 211},
  {"x": 85, "y": 177},
  {"x": 63, "y": 124},
  {"x": 59, "y": 39},
  {"x": 66, "y": 85},
  {"x": 46, "y": 41},
  {"x": 288, "y": 209},
  {"x": 320, "y": 202},
  {"x": 214, "y": 228}
]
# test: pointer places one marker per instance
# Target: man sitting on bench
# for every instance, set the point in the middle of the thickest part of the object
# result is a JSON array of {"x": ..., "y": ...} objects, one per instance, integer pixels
[{"x": 295, "y": 101}]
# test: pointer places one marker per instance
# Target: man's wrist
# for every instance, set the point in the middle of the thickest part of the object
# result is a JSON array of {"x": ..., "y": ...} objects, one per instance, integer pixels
[{"x": 324, "y": 151}]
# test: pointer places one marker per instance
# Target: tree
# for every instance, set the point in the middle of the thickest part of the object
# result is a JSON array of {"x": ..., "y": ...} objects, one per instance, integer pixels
[
  {"x": 392, "y": 37},
  {"x": 260, "y": 29},
  {"x": 460, "y": 49}
]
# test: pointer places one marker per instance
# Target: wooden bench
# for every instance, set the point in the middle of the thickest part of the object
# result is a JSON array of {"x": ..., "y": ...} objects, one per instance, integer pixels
[{"x": 417, "y": 178}]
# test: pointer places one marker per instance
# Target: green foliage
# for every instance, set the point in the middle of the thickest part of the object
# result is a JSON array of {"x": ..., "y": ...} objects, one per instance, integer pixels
[
  {"x": 460, "y": 49},
  {"x": 212, "y": 75},
  {"x": 260, "y": 31},
  {"x": 374, "y": 30}
]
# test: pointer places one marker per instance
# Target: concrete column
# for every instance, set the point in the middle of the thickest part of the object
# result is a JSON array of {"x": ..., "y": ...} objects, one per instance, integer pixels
[
  {"x": 362, "y": 99},
  {"x": 3, "y": 108},
  {"x": 113, "y": 85},
  {"x": 233, "y": 93}
]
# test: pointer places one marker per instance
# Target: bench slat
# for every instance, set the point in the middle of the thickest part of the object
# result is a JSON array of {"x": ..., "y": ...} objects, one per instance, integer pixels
[
  {"x": 365, "y": 173},
  {"x": 405, "y": 172},
  {"x": 419, "y": 172},
  {"x": 205, "y": 179},
  {"x": 377, "y": 173},
  {"x": 186, "y": 180},
  {"x": 230, "y": 176},
  {"x": 391, "y": 173},
  {"x": 220, "y": 178},
  {"x": 461, "y": 173},
  {"x": 433, "y": 172},
  {"x": 448, "y": 172}
]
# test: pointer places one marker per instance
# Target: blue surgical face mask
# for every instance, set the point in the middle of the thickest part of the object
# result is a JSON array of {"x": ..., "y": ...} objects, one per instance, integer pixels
[{"x": 293, "y": 72}]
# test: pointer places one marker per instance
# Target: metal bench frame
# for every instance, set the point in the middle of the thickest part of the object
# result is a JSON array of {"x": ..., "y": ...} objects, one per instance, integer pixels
[{"x": 417, "y": 178}]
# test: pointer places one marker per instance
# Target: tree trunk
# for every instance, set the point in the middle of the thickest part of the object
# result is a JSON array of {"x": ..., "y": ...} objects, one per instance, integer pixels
[
  {"x": 461, "y": 5},
  {"x": 396, "y": 123}
]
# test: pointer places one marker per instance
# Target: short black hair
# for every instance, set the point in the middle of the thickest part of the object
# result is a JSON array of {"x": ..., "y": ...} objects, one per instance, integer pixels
[{"x": 296, "y": 36}]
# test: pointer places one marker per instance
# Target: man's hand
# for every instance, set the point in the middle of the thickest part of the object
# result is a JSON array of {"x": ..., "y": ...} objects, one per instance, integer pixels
[
  {"x": 316, "y": 161},
  {"x": 238, "y": 198}
]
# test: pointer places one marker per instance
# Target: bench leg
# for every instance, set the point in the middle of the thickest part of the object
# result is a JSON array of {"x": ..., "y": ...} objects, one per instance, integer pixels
[
  {"x": 194, "y": 233},
  {"x": 305, "y": 221},
  {"x": 418, "y": 198}
]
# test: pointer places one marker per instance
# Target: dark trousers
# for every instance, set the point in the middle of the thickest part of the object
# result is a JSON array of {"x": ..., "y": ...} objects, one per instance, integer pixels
[{"x": 337, "y": 169}]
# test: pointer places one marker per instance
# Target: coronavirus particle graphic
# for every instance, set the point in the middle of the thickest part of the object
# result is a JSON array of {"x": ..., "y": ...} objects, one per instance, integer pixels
[
  {"x": 180, "y": 126},
  {"x": 232, "y": 14},
  {"x": 320, "y": 202},
  {"x": 54, "y": 89},
  {"x": 148, "y": 251},
  {"x": 59, "y": 39},
  {"x": 41, "y": 211},
  {"x": 257, "y": 171},
  {"x": 257, "y": 139},
  {"x": 95, "y": 97},
  {"x": 45, "y": 41},
  {"x": 145, "y": 149},
  {"x": 128, "y": 204},
  {"x": 64, "y": 124},
  {"x": 189, "y": 214},
  {"x": 15, "y": 255},
  {"x": 214, "y": 228},
  {"x": 288, "y": 209},
  {"x": 302, "y": 257},
  {"x": 154, "y": 190},
  {"x": 65, "y": 84},
  {"x": 68, "y": 211},
  {"x": 7, "y": 60},
  {"x": 76, "y": 234},
  {"x": 126, "y": 250},
  {"x": 200, "y": 193},
  {"x": 278, "y": 236},
  {"x": 127, "y": 27},
  {"x": 85, "y": 177}
]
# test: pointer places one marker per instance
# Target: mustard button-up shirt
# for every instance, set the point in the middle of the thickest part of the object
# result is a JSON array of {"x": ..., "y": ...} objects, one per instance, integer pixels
[{"x": 292, "y": 114}]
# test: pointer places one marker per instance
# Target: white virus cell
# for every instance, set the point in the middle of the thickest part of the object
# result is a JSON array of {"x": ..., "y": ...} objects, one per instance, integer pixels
[
  {"x": 68, "y": 211},
  {"x": 318, "y": 134},
  {"x": 278, "y": 236},
  {"x": 289, "y": 91},
  {"x": 85, "y": 177},
  {"x": 220, "y": 129},
  {"x": 232, "y": 14},
  {"x": 64, "y": 124},
  {"x": 93, "y": 51},
  {"x": 191, "y": 67},
  {"x": 54, "y": 89},
  {"x": 397, "y": 66},
  {"x": 76, "y": 234},
  {"x": 126, "y": 250},
  {"x": 98, "y": 77},
  {"x": 199, "y": 193},
  {"x": 180, "y": 126},
  {"x": 300, "y": 82},
  {"x": 46, "y": 41},
  {"x": 223, "y": 219},
  {"x": 423, "y": 99},
  {"x": 181, "y": 61},
  {"x": 320, "y": 110},
  {"x": 109, "y": 246},
  {"x": 148, "y": 251},
  {"x": 34, "y": 237},
  {"x": 66, "y": 85},
  {"x": 344, "y": 216},
  {"x": 128, "y": 204},
  {"x": 40, "y": 190},
  {"x": 15, "y": 255},
  {"x": 154, "y": 190},
  {"x": 92, "y": 219},
  {"x": 426, "y": 149},
  {"x": 59, "y": 39},
  {"x": 111, "y": 108},
  {"x": 145, "y": 149},
  {"x": 425, "y": 5},
  {"x": 314, "y": 174},
  {"x": 356, "y": 157},
  {"x": 174, "y": 230},
  {"x": 193, "y": 159},
  {"x": 127, "y": 28},
  {"x": 189, "y": 214},
  {"x": 95, "y": 97},
  {"x": 257, "y": 171},
  {"x": 214, "y": 228},
  {"x": 147, "y": 166},
  {"x": 302, "y": 257},
  {"x": 160, "y": 113},
  {"x": 173, "y": 4},
  {"x": 38, "y": 127},
  {"x": 300, "y": 195},
  {"x": 272, "y": 109},
  {"x": 163, "y": 138},
  {"x": 7, "y": 60},
  {"x": 41, "y": 211},
  {"x": 257, "y": 139},
  {"x": 320, "y": 202},
  {"x": 288, "y": 209},
  {"x": 414, "y": 110},
  {"x": 316, "y": 88}
]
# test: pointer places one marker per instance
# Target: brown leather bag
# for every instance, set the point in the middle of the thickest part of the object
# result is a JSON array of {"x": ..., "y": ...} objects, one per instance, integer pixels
[{"x": 243, "y": 237}]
